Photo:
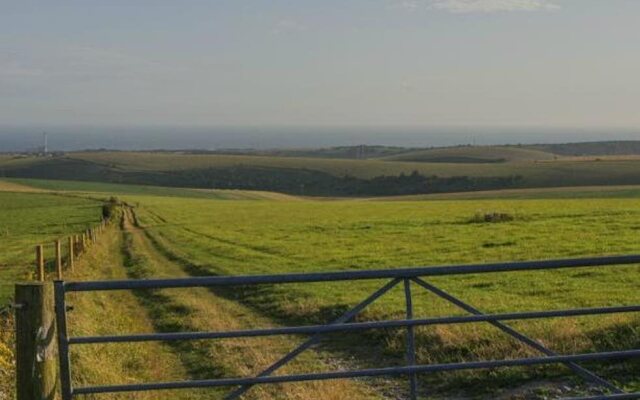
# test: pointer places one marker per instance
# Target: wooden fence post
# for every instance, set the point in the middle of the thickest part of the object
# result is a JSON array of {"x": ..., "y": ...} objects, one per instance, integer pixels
[
  {"x": 39, "y": 263},
  {"x": 71, "y": 245},
  {"x": 58, "y": 260},
  {"x": 36, "y": 350}
]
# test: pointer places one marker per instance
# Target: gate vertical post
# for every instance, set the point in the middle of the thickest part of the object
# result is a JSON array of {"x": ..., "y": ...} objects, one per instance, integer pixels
[
  {"x": 63, "y": 340},
  {"x": 411, "y": 347},
  {"x": 36, "y": 364}
]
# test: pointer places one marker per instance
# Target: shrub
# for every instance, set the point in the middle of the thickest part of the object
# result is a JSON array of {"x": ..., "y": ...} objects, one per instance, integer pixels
[
  {"x": 493, "y": 217},
  {"x": 110, "y": 208}
]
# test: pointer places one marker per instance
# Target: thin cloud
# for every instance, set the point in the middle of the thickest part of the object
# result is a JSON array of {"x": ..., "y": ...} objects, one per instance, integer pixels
[{"x": 483, "y": 6}]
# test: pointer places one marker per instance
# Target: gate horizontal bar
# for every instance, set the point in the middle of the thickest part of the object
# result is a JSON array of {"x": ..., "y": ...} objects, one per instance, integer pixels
[
  {"x": 313, "y": 329},
  {"x": 389, "y": 371},
  {"x": 349, "y": 275}
]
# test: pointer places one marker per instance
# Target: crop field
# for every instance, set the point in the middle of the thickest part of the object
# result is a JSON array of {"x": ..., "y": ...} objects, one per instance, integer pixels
[
  {"x": 106, "y": 189},
  {"x": 175, "y": 232}
]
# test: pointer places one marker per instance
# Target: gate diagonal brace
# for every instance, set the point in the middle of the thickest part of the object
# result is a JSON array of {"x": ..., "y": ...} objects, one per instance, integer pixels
[
  {"x": 583, "y": 372},
  {"x": 346, "y": 317}
]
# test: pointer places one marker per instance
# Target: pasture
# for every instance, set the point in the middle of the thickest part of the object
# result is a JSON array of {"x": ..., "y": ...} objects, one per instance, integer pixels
[
  {"x": 249, "y": 237},
  {"x": 184, "y": 232},
  {"x": 28, "y": 219}
]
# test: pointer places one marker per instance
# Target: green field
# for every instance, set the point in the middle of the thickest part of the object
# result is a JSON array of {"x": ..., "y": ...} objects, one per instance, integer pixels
[
  {"x": 279, "y": 237},
  {"x": 28, "y": 219},
  {"x": 175, "y": 232},
  {"x": 576, "y": 192}
]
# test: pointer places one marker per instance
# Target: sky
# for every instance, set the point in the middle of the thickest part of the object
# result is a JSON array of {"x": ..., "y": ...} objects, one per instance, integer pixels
[{"x": 373, "y": 63}]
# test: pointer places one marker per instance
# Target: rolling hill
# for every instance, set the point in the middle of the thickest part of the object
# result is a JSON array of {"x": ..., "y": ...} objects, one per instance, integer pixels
[
  {"x": 474, "y": 155},
  {"x": 457, "y": 169}
]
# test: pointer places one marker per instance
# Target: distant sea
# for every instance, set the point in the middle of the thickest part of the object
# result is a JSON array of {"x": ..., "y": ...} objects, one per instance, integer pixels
[{"x": 69, "y": 138}]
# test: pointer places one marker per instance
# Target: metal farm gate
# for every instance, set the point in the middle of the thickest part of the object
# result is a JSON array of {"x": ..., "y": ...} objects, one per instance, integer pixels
[{"x": 410, "y": 277}]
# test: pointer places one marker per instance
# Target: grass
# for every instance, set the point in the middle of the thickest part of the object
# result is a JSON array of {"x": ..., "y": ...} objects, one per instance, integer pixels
[
  {"x": 204, "y": 310},
  {"x": 28, "y": 219},
  {"x": 579, "y": 192},
  {"x": 101, "y": 313},
  {"x": 181, "y": 235},
  {"x": 278, "y": 237},
  {"x": 119, "y": 257}
]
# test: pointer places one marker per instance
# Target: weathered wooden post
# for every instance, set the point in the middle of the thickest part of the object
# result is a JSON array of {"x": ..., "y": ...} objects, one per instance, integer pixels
[
  {"x": 71, "y": 263},
  {"x": 39, "y": 263},
  {"x": 36, "y": 350},
  {"x": 58, "y": 259}
]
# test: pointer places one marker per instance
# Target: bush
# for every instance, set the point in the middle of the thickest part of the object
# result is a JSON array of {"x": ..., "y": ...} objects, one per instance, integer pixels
[
  {"x": 493, "y": 217},
  {"x": 111, "y": 208}
]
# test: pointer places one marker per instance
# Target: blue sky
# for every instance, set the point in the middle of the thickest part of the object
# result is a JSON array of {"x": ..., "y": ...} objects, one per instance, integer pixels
[{"x": 549, "y": 63}]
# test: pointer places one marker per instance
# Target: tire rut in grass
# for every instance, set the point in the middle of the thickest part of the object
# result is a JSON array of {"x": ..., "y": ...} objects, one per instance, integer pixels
[
  {"x": 352, "y": 352},
  {"x": 106, "y": 313},
  {"x": 200, "y": 309},
  {"x": 160, "y": 306}
]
